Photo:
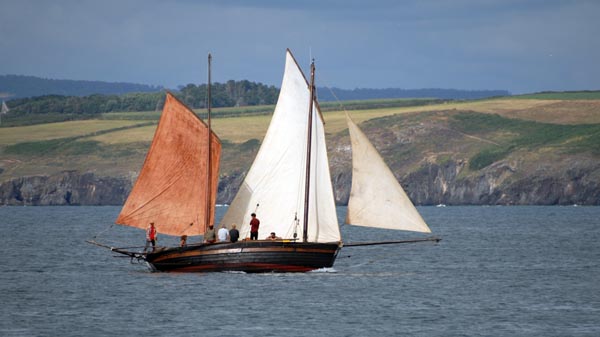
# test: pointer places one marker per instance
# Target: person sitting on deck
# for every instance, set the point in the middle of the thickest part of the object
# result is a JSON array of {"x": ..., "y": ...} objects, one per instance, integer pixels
[
  {"x": 223, "y": 234},
  {"x": 273, "y": 237},
  {"x": 234, "y": 234},
  {"x": 183, "y": 241},
  {"x": 210, "y": 236}
]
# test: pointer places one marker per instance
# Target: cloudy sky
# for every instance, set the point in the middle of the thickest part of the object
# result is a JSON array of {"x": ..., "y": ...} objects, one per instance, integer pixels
[{"x": 516, "y": 45}]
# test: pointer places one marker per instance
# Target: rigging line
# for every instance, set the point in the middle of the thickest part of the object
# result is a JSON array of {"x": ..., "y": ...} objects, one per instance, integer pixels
[
  {"x": 101, "y": 232},
  {"x": 178, "y": 220},
  {"x": 112, "y": 242},
  {"x": 182, "y": 232},
  {"x": 168, "y": 185},
  {"x": 449, "y": 129},
  {"x": 333, "y": 94}
]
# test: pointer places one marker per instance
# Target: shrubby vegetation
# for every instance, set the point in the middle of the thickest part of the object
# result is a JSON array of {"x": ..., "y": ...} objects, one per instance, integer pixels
[
  {"x": 232, "y": 93},
  {"x": 93, "y": 104},
  {"x": 528, "y": 135}
]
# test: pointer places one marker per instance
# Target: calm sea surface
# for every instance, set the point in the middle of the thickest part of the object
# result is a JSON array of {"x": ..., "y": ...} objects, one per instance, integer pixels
[{"x": 499, "y": 271}]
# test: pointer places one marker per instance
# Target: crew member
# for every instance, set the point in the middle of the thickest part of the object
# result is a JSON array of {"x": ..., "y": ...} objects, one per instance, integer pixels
[
  {"x": 150, "y": 237},
  {"x": 234, "y": 234},
  {"x": 210, "y": 235},
  {"x": 254, "y": 223}
]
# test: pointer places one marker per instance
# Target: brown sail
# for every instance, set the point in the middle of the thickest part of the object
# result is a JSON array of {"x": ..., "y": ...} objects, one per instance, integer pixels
[{"x": 172, "y": 187}]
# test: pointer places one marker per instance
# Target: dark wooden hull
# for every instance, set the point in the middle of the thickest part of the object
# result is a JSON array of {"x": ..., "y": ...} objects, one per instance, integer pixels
[{"x": 248, "y": 256}]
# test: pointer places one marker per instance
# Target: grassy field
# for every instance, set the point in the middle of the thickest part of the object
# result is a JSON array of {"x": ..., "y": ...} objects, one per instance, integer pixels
[
  {"x": 134, "y": 135},
  {"x": 9, "y": 136},
  {"x": 116, "y": 142},
  {"x": 241, "y": 129},
  {"x": 564, "y": 95},
  {"x": 525, "y": 135}
]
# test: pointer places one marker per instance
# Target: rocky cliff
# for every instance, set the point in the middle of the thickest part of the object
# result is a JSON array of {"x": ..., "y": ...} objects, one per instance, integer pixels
[
  {"x": 431, "y": 184},
  {"x": 443, "y": 157},
  {"x": 74, "y": 188},
  {"x": 66, "y": 188},
  {"x": 503, "y": 184}
]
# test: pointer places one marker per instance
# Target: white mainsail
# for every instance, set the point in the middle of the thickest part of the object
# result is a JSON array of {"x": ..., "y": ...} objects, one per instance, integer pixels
[
  {"x": 376, "y": 197},
  {"x": 276, "y": 179}
]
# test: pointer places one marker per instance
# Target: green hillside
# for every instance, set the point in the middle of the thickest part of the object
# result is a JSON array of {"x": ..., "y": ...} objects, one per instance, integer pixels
[
  {"x": 481, "y": 132},
  {"x": 563, "y": 95}
]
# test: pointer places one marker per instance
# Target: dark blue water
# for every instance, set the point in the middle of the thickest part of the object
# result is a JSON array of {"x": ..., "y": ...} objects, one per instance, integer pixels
[{"x": 499, "y": 271}]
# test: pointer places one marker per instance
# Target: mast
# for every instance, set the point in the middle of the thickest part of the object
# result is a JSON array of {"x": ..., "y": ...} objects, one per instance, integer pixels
[
  {"x": 208, "y": 171},
  {"x": 308, "y": 151}
]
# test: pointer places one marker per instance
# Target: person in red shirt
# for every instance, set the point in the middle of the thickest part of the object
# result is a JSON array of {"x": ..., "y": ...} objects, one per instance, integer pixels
[
  {"x": 150, "y": 236},
  {"x": 254, "y": 223}
]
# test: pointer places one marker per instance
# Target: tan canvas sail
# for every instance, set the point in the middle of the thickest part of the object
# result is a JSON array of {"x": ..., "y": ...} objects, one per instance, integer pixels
[
  {"x": 376, "y": 197},
  {"x": 277, "y": 177},
  {"x": 171, "y": 190}
]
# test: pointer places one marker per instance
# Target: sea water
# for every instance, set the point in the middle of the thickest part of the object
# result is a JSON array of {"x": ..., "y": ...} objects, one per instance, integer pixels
[{"x": 498, "y": 271}]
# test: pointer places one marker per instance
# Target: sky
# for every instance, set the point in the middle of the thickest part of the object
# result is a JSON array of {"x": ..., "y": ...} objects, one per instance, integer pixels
[{"x": 521, "y": 46}]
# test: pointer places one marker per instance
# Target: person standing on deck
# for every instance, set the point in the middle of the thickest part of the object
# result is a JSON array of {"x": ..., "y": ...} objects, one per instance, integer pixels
[
  {"x": 254, "y": 223},
  {"x": 234, "y": 234},
  {"x": 150, "y": 237},
  {"x": 223, "y": 234}
]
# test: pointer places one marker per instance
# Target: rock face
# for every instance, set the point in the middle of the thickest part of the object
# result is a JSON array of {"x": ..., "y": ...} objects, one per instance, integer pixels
[
  {"x": 503, "y": 183},
  {"x": 67, "y": 188},
  {"x": 74, "y": 188},
  {"x": 228, "y": 187}
]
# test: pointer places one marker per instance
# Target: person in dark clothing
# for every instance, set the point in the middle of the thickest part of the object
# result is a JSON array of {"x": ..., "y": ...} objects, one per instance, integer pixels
[
  {"x": 273, "y": 237},
  {"x": 234, "y": 234},
  {"x": 254, "y": 223}
]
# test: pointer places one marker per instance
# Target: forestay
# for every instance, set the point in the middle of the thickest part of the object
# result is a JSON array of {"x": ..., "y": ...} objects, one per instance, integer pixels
[
  {"x": 277, "y": 177},
  {"x": 376, "y": 197}
]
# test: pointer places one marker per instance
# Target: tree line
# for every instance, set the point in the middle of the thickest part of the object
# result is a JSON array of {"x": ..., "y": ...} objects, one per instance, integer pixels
[
  {"x": 20, "y": 86},
  {"x": 229, "y": 94},
  {"x": 232, "y": 93}
]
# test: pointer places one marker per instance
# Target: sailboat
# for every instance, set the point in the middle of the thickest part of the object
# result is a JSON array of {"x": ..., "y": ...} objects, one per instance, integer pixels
[
  {"x": 3, "y": 110},
  {"x": 288, "y": 187}
]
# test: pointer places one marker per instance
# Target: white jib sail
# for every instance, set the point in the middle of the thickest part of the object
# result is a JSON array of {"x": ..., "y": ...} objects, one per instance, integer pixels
[
  {"x": 276, "y": 179},
  {"x": 376, "y": 197}
]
